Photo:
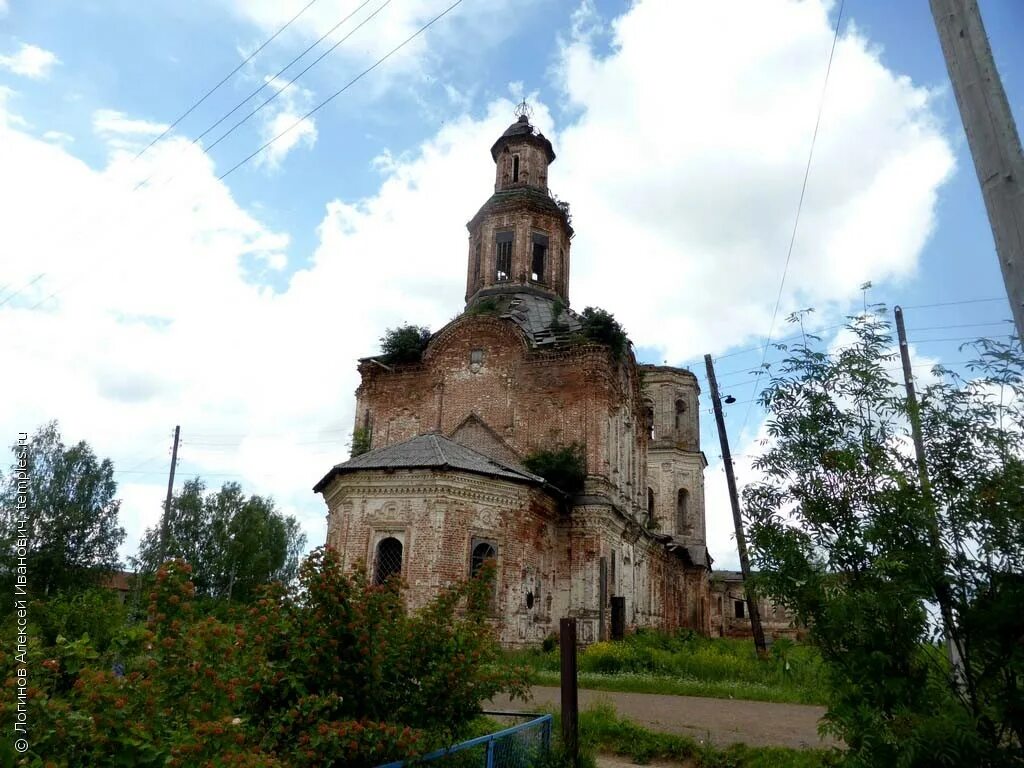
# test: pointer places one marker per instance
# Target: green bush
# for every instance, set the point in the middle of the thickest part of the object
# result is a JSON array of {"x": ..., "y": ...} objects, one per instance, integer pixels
[
  {"x": 601, "y": 326},
  {"x": 565, "y": 467},
  {"x": 332, "y": 671},
  {"x": 404, "y": 344},
  {"x": 361, "y": 439}
]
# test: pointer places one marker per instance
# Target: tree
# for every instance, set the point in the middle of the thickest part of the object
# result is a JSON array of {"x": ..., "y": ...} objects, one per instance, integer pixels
[
  {"x": 849, "y": 538},
  {"x": 71, "y": 513},
  {"x": 404, "y": 344},
  {"x": 233, "y": 543}
]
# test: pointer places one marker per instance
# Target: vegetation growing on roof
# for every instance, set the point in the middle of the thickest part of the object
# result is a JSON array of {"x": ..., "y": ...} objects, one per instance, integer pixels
[
  {"x": 486, "y": 306},
  {"x": 601, "y": 326},
  {"x": 404, "y": 344},
  {"x": 564, "y": 466},
  {"x": 360, "y": 441}
]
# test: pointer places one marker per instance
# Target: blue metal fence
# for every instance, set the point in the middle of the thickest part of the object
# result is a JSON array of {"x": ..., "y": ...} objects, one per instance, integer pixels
[{"x": 520, "y": 746}]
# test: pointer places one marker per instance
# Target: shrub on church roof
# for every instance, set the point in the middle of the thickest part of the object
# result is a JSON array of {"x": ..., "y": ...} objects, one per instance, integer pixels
[
  {"x": 565, "y": 467},
  {"x": 601, "y": 326},
  {"x": 404, "y": 344}
]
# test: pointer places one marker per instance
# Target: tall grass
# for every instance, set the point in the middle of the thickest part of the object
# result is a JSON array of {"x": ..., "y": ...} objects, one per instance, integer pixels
[{"x": 687, "y": 664}]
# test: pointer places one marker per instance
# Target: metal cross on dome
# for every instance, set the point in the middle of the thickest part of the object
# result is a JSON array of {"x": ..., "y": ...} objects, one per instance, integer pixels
[{"x": 524, "y": 110}]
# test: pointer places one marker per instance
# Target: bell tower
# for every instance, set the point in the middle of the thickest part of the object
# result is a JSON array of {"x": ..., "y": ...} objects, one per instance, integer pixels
[{"x": 519, "y": 240}]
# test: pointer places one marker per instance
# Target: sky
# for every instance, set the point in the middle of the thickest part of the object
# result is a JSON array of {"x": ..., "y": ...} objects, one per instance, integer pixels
[{"x": 178, "y": 286}]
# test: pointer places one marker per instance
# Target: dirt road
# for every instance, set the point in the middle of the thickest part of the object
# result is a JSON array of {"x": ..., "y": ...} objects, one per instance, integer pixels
[{"x": 720, "y": 721}]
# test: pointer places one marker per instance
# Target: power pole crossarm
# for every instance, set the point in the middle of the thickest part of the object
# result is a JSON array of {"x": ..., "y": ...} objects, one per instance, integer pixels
[
  {"x": 741, "y": 540},
  {"x": 991, "y": 134}
]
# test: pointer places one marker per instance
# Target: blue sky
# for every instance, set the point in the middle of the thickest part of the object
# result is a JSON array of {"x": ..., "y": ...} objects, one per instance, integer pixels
[{"x": 238, "y": 308}]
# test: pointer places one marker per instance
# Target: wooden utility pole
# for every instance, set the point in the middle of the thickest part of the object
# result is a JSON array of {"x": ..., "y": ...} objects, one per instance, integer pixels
[
  {"x": 165, "y": 521},
  {"x": 914, "y": 414},
  {"x": 734, "y": 501},
  {"x": 570, "y": 693},
  {"x": 991, "y": 134}
]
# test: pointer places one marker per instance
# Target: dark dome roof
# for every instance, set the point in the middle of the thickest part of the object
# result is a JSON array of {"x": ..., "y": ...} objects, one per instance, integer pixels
[{"x": 521, "y": 130}]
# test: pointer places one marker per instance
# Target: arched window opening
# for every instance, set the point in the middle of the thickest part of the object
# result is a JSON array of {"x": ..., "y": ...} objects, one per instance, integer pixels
[
  {"x": 680, "y": 410},
  {"x": 503, "y": 256},
  {"x": 389, "y": 560},
  {"x": 515, "y": 168},
  {"x": 650, "y": 508},
  {"x": 683, "y": 524},
  {"x": 482, "y": 552},
  {"x": 538, "y": 262},
  {"x": 649, "y": 419}
]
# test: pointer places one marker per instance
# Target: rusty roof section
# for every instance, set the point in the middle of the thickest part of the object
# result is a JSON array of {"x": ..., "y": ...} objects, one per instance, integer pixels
[{"x": 430, "y": 451}]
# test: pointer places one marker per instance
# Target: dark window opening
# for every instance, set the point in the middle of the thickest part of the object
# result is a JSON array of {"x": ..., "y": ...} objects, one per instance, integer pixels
[
  {"x": 503, "y": 259},
  {"x": 529, "y": 599},
  {"x": 482, "y": 552},
  {"x": 611, "y": 586},
  {"x": 476, "y": 262},
  {"x": 649, "y": 418},
  {"x": 650, "y": 508},
  {"x": 680, "y": 410},
  {"x": 540, "y": 255},
  {"x": 389, "y": 560},
  {"x": 515, "y": 168},
  {"x": 683, "y": 511},
  {"x": 740, "y": 609}
]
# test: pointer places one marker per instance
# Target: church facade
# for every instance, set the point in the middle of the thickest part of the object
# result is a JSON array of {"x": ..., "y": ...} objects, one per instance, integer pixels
[{"x": 443, "y": 486}]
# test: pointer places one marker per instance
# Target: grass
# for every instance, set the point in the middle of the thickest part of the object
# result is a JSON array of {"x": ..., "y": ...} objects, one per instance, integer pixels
[
  {"x": 690, "y": 665},
  {"x": 602, "y": 730}
]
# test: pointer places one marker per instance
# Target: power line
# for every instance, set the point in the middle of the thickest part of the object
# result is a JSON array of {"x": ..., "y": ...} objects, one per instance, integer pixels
[
  {"x": 341, "y": 90},
  {"x": 242, "y": 103},
  {"x": 227, "y": 77},
  {"x": 952, "y": 303},
  {"x": 803, "y": 190}
]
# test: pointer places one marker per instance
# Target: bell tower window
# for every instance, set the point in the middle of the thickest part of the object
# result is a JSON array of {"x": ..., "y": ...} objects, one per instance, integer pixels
[
  {"x": 680, "y": 410},
  {"x": 515, "y": 168},
  {"x": 540, "y": 255},
  {"x": 503, "y": 258}
]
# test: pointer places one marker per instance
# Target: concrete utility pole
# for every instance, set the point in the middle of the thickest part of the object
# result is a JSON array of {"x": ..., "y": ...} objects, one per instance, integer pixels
[
  {"x": 165, "y": 521},
  {"x": 734, "y": 501},
  {"x": 991, "y": 134}
]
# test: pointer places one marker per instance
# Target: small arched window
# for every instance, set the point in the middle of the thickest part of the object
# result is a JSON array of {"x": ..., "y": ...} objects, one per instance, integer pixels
[
  {"x": 650, "y": 508},
  {"x": 680, "y": 410},
  {"x": 482, "y": 552},
  {"x": 649, "y": 419},
  {"x": 389, "y": 560},
  {"x": 683, "y": 511},
  {"x": 515, "y": 168}
]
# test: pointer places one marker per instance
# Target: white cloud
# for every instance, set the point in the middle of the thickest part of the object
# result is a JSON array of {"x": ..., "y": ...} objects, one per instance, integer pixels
[
  {"x": 684, "y": 180},
  {"x": 58, "y": 137},
  {"x": 683, "y": 193},
  {"x": 283, "y": 117},
  {"x": 29, "y": 60}
]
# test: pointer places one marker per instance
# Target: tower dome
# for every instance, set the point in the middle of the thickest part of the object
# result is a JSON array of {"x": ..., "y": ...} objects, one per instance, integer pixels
[{"x": 519, "y": 240}]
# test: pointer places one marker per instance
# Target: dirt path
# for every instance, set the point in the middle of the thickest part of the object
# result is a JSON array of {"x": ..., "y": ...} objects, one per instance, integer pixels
[{"x": 720, "y": 721}]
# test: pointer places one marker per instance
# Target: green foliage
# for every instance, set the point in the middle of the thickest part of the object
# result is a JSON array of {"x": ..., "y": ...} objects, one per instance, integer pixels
[
  {"x": 96, "y": 614},
  {"x": 565, "y": 467},
  {"x": 331, "y": 671},
  {"x": 404, "y": 344},
  {"x": 847, "y": 537},
  {"x": 601, "y": 326},
  {"x": 360, "y": 441},
  {"x": 73, "y": 531},
  {"x": 602, "y": 730},
  {"x": 690, "y": 665},
  {"x": 485, "y": 306},
  {"x": 233, "y": 543}
]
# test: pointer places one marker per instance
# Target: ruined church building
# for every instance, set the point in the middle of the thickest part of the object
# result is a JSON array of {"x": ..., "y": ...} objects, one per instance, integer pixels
[{"x": 443, "y": 488}]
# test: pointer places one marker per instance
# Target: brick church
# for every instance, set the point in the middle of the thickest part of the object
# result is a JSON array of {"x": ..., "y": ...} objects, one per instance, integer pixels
[{"x": 443, "y": 486}]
